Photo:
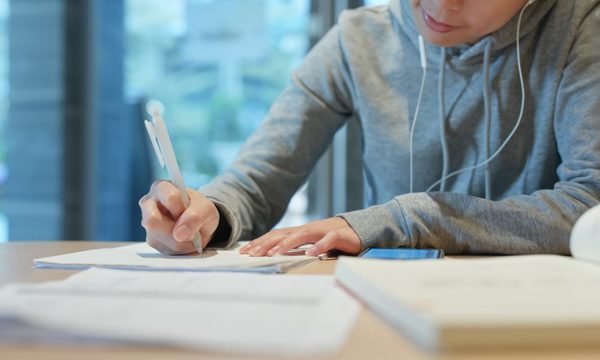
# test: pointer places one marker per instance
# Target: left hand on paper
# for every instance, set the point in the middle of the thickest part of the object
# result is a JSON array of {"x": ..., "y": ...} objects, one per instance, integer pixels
[{"x": 328, "y": 234}]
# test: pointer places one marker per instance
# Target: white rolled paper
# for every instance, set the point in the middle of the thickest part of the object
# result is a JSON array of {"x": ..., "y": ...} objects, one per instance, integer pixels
[{"x": 585, "y": 237}]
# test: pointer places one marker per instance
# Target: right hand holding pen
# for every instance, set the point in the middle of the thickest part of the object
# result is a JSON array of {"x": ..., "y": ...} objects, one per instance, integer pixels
[{"x": 170, "y": 227}]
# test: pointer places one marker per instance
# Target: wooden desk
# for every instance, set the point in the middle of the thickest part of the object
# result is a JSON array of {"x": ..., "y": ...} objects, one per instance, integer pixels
[{"x": 371, "y": 338}]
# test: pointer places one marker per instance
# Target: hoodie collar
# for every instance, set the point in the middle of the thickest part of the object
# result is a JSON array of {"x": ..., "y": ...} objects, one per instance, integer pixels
[{"x": 473, "y": 53}]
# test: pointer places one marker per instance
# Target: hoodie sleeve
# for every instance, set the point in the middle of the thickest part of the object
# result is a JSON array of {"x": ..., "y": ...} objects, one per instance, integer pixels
[
  {"x": 254, "y": 192},
  {"x": 540, "y": 222}
]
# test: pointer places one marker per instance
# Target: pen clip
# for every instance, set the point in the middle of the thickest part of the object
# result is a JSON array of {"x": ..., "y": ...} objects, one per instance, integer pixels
[{"x": 154, "y": 140}]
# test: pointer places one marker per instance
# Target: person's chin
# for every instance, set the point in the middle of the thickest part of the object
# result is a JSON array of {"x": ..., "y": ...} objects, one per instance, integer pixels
[{"x": 441, "y": 39}]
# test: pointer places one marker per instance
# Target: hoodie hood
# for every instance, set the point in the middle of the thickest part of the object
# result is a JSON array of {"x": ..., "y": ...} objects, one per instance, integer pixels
[
  {"x": 480, "y": 54},
  {"x": 474, "y": 53}
]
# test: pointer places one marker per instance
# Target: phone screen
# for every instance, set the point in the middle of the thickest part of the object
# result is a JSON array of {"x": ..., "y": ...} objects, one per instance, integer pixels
[{"x": 402, "y": 254}]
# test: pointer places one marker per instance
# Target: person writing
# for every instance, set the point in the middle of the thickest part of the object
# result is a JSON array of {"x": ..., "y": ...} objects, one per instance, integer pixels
[{"x": 484, "y": 141}]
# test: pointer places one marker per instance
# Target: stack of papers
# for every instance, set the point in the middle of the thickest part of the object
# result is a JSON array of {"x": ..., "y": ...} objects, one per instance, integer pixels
[
  {"x": 241, "y": 313},
  {"x": 143, "y": 257}
]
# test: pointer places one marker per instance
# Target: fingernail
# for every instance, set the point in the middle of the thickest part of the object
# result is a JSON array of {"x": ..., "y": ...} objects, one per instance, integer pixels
[
  {"x": 255, "y": 251},
  {"x": 273, "y": 251},
  {"x": 183, "y": 233},
  {"x": 313, "y": 251}
]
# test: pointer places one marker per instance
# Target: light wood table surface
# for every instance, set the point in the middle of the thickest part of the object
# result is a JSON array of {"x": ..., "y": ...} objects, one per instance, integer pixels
[{"x": 370, "y": 339}]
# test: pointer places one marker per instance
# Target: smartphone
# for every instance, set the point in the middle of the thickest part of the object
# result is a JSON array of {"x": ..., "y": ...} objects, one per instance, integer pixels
[{"x": 402, "y": 254}]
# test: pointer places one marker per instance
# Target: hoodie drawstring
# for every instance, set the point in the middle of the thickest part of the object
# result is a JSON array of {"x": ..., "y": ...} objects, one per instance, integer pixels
[
  {"x": 487, "y": 117},
  {"x": 442, "y": 115},
  {"x": 486, "y": 97}
]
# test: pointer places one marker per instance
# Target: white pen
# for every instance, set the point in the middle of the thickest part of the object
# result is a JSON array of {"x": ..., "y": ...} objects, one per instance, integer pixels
[{"x": 161, "y": 142}]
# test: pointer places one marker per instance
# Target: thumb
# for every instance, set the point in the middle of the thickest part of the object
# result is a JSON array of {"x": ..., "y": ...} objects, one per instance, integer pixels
[
  {"x": 328, "y": 242},
  {"x": 200, "y": 218}
]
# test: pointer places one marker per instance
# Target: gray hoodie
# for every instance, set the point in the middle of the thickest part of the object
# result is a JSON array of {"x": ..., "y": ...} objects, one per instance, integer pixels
[{"x": 525, "y": 201}]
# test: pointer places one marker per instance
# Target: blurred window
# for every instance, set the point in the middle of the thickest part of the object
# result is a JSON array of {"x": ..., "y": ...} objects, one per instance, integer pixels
[
  {"x": 3, "y": 109},
  {"x": 376, "y": 2},
  {"x": 217, "y": 66}
]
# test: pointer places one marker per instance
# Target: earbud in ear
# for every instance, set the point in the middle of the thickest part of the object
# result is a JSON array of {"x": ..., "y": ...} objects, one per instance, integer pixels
[{"x": 422, "y": 52}]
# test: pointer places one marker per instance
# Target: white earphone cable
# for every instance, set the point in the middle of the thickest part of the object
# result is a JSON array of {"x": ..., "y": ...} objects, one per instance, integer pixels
[
  {"x": 519, "y": 119},
  {"x": 423, "y": 57}
]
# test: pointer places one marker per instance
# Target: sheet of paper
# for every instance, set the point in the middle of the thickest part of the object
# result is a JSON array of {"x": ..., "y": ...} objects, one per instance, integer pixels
[
  {"x": 240, "y": 313},
  {"x": 143, "y": 257}
]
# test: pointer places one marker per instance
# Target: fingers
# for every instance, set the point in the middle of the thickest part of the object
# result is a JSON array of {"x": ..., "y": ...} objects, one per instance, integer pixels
[
  {"x": 301, "y": 237},
  {"x": 158, "y": 230},
  {"x": 170, "y": 226},
  {"x": 327, "y": 243},
  {"x": 166, "y": 245},
  {"x": 201, "y": 216},
  {"x": 327, "y": 234},
  {"x": 169, "y": 197},
  {"x": 274, "y": 241},
  {"x": 265, "y": 242},
  {"x": 280, "y": 242},
  {"x": 154, "y": 220},
  {"x": 262, "y": 246},
  {"x": 244, "y": 249},
  {"x": 344, "y": 240}
]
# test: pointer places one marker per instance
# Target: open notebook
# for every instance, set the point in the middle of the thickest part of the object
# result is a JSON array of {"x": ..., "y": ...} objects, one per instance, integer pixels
[{"x": 143, "y": 257}]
